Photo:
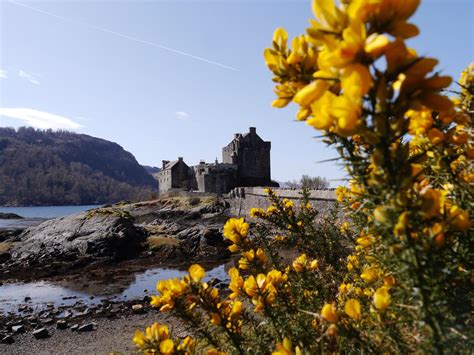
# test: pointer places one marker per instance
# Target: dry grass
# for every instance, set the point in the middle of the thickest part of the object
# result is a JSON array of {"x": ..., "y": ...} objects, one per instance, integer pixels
[
  {"x": 4, "y": 247},
  {"x": 155, "y": 241}
]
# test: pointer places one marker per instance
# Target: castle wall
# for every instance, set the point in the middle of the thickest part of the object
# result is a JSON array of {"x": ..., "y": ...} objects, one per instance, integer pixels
[
  {"x": 180, "y": 175},
  {"x": 242, "y": 199},
  {"x": 164, "y": 181},
  {"x": 215, "y": 178}
]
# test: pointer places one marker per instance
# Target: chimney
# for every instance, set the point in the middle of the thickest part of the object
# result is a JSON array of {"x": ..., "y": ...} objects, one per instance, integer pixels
[
  {"x": 180, "y": 158},
  {"x": 164, "y": 162},
  {"x": 236, "y": 135},
  {"x": 253, "y": 130}
]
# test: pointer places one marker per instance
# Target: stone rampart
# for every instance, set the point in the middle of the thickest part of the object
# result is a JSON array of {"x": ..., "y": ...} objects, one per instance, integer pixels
[{"x": 242, "y": 199}]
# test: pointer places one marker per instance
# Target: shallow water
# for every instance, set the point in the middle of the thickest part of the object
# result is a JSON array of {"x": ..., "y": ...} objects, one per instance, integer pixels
[
  {"x": 44, "y": 292},
  {"x": 46, "y": 211}
]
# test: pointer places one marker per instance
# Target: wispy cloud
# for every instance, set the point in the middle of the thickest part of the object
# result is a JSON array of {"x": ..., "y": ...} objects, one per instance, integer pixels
[
  {"x": 28, "y": 76},
  {"x": 39, "y": 119},
  {"x": 181, "y": 115},
  {"x": 122, "y": 35},
  {"x": 3, "y": 74}
]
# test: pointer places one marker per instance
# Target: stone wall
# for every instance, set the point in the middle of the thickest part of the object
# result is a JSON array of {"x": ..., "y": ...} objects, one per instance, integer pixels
[{"x": 242, "y": 199}]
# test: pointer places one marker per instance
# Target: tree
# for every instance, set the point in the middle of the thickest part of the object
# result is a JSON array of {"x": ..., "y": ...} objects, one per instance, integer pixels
[{"x": 308, "y": 182}]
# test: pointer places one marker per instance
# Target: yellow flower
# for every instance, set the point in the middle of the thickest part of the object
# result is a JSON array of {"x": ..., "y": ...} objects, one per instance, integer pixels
[
  {"x": 389, "y": 281},
  {"x": 167, "y": 346},
  {"x": 236, "y": 311},
  {"x": 286, "y": 348},
  {"x": 255, "y": 212},
  {"x": 235, "y": 229},
  {"x": 271, "y": 209},
  {"x": 250, "y": 286},
  {"x": 344, "y": 288},
  {"x": 356, "y": 81},
  {"x": 402, "y": 223},
  {"x": 276, "y": 277},
  {"x": 300, "y": 263},
  {"x": 280, "y": 37},
  {"x": 261, "y": 256},
  {"x": 236, "y": 282},
  {"x": 322, "y": 118},
  {"x": 352, "y": 309},
  {"x": 311, "y": 92},
  {"x": 233, "y": 248},
  {"x": 288, "y": 204},
  {"x": 215, "y": 319},
  {"x": 370, "y": 274},
  {"x": 381, "y": 214},
  {"x": 392, "y": 14},
  {"x": 313, "y": 265},
  {"x": 420, "y": 121},
  {"x": 432, "y": 203},
  {"x": 329, "y": 313},
  {"x": 196, "y": 272},
  {"x": 459, "y": 219},
  {"x": 341, "y": 193},
  {"x": 154, "y": 335},
  {"x": 435, "y": 136},
  {"x": 382, "y": 298},
  {"x": 365, "y": 241}
]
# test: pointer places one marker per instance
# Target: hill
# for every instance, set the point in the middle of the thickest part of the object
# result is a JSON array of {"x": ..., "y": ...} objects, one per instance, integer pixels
[
  {"x": 64, "y": 168},
  {"x": 151, "y": 169}
]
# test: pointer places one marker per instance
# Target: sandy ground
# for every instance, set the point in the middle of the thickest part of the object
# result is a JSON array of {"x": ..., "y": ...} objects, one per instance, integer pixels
[{"x": 112, "y": 335}]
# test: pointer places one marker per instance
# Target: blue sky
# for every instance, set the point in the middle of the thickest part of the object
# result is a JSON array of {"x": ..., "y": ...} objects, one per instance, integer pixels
[{"x": 108, "y": 69}]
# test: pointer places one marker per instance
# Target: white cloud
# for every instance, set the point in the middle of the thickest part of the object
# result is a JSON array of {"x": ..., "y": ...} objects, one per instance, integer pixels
[
  {"x": 181, "y": 115},
  {"x": 28, "y": 76},
  {"x": 39, "y": 119},
  {"x": 3, "y": 74}
]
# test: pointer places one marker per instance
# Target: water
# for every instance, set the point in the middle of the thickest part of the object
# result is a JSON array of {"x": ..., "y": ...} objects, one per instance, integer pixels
[
  {"x": 44, "y": 292},
  {"x": 35, "y": 215},
  {"x": 46, "y": 211}
]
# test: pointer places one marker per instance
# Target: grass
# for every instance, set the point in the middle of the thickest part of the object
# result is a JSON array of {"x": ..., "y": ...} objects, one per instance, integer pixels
[
  {"x": 4, "y": 247},
  {"x": 155, "y": 241}
]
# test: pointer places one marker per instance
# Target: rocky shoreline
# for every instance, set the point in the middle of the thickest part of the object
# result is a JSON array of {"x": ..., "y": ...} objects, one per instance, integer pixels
[
  {"x": 170, "y": 230},
  {"x": 112, "y": 244}
]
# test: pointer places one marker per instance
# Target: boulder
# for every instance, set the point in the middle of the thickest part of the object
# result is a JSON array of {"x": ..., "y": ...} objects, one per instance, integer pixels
[{"x": 93, "y": 235}]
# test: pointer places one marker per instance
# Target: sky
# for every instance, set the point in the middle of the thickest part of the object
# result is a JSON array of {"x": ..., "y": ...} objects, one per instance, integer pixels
[{"x": 178, "y": 78}]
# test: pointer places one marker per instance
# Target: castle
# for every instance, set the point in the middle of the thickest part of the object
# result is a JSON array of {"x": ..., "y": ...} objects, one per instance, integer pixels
[{"x": 245, "y": 162}]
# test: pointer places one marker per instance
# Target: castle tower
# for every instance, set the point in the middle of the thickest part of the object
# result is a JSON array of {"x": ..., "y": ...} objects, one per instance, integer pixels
[{"x": 252, "y": 156}]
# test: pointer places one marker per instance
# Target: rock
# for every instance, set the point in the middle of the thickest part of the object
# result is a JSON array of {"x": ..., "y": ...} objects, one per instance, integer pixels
[
  {"x": 22, "y": 307},
  {"x": 41, "y": 333},
  {"x": 5, "y": 256},
  {"x": 61, "y": 324},
  {"x": 68, "y": 314},
  {"x": 47, "y": 321},
  {"x": 87, "y": 327},
  {"x": 7, "y": 339},
  {"x": 74, "y": 327},
  {"x": 27, "y": 299},
  {"x": 18, "y": 329},
  {"x": 68, "y": 238},
  {"x": 10, "y": 216},
  {"x": 137, "y": 308}
]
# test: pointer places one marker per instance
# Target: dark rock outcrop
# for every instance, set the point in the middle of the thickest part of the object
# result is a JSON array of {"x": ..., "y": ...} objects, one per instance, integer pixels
[
  {"x": 10, "y": 216},
  {"x": 79, "y": 236}
]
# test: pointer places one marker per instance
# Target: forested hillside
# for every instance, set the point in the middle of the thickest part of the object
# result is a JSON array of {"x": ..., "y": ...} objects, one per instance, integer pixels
[{"x": 64, "y": 168}]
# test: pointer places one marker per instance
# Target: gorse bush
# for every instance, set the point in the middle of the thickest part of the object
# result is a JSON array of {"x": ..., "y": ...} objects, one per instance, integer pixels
[{"x": 394, "y": 276}]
